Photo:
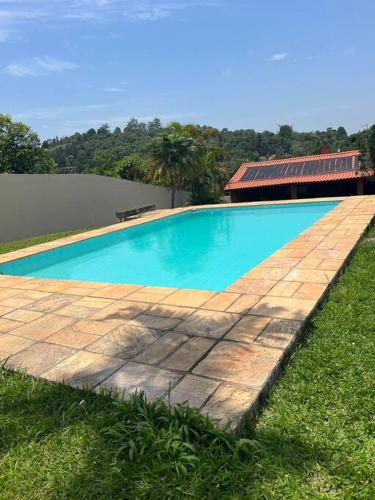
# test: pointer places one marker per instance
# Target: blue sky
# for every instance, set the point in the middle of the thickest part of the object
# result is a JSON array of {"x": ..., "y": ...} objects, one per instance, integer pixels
[{"x": 68, "y": 65}]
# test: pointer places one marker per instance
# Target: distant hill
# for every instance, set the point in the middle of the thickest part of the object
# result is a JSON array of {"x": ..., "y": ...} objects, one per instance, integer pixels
[{"x": 80, "y": 151}]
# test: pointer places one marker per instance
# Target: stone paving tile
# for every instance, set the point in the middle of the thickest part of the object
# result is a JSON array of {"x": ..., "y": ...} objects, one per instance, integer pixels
[
  {"x": 52, "y": 303},
  {"x": 29, "y": 285},
  {"x": 162, "y": 290},
  {"x": 330, "y": 264},
  {"x": 6, "y": 293},
  {"x": 193, "y": 390},
  {"x": 72, "y": 337},
  {"x": 229, "y": 403},
  {"x": 74, "y": 311},
  {"x": 53, "y": 286},
  {"x": 154, "y": 382},
  {"x": 96, "y": 302},
  {"x": 221, "y": 301},
  {"x": 5, "y": 310},
  {"x": 308, "y": 263},
  {"x": 23, "y": 315},
  {"x": 120, "y": 311},
  {"x": 94, "y": 327},
  {"x": 39, "y": 357},
  {"x": 279, "y": 333},
  {"x": 125, "y": 341},
  {"x": 282, "y": 262},
  {"x": 329, "y": 254},
  {"x": 6, "y": 325},
  {"x": 306, "y": 276},
  {"x": 284, "y": 307},
  {"x": 284, "y": 288},
  {"x": 254, "y": 287},
  {"x": 170, "y": 311},
  {"x": 78, "y": 290},
  {"x": 162, "y": 348},
  {"x": 10, "y": 344},
  {"x": 33, "y": 294},
  {"x": 156, "y": 322},
  {"x": 248, "y": 329},
  {"x": 275, "y": 273},
  {"x": 92, "y": 285},
  {"x": 83, "y": 369},
  {"x": 310, "y": 291},
  {"x": 257, "y": 273},
  {"x": 43, "y": 327},
  {"x": 16, "y": 302},
  {"x": 11, "y": 281},
  {"x": 116, "y": 291},
  {"x": 188, "y": 354},
  {"x": 239, "y": 363},
  {"x": 331, "y": 275},
  {"x": 244, "y": 303},
  {"x": 208, "y": 323},
  {"x": 188, "y": 298},
  {"x": 146, "y": 297}
]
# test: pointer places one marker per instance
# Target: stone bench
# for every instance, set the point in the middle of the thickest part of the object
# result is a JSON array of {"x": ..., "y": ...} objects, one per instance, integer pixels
[{"x": 124, "y": 214}]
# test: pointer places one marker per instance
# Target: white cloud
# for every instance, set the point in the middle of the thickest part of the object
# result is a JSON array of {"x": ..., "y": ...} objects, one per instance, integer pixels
[
  {"x": 279, "y": 56},
  {"x": 113, "y": 89},
  {"x": 37, "y": 66},
  {"x": 17, "y": 13}
]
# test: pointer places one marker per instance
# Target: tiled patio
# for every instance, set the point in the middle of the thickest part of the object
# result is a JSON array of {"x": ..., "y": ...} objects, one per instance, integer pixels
[{"x": 219, "y": 351}]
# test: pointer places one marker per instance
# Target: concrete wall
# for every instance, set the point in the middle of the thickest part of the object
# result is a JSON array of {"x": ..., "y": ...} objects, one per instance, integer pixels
[{"x": 32, "y": 205}]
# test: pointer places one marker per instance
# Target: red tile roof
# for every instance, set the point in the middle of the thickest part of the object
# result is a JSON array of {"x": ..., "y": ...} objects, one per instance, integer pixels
[{"x": 317, "y": 168}]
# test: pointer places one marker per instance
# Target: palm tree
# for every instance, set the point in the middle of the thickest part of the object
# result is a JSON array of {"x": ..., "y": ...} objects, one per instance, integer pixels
[{"x": 171, "y": 160}]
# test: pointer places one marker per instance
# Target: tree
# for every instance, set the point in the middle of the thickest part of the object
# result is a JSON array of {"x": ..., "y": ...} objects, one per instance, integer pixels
[
  {"x": 210, "y": 171},
  {"x": 20, "y": 149},
  {"x": 132, "y": 168},
  {"x": 371, "y": 145},
  {"x": 171, "y": 160},
  {"x": 105, "y": 163}
]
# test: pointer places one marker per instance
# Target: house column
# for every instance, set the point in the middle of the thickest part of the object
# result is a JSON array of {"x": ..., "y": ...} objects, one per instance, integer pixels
[
  {"x": 360, "y": 187},
  {"x": 293, "y": 191}
]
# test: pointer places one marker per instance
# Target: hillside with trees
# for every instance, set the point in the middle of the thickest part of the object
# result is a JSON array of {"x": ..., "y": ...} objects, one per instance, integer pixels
[
  {"x": 200, "y": 159},
  {"x": 98, "y": 150}
]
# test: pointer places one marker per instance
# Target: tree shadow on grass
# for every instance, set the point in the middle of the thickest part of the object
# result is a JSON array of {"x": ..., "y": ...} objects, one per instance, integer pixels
[{"x": 74, "y": 442}]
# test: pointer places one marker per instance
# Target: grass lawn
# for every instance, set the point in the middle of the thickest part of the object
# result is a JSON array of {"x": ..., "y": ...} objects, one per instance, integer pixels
[
  {"x": 314, "y": 439},
  {"x": 11, "y": 246}
]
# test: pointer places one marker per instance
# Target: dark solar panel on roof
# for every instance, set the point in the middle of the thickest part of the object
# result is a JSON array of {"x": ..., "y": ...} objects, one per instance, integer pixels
[{"x": 299, "y": 169}]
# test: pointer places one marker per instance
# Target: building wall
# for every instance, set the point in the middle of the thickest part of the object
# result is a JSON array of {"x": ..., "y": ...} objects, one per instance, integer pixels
[{"x": 32, "y": 205}]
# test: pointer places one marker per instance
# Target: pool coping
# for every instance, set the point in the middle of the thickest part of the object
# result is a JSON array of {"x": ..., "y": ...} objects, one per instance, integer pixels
[{"x": 220, "y": 351}]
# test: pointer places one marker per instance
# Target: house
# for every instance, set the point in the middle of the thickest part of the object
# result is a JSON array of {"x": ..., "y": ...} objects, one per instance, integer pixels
[{"x": 329, "y": 174}]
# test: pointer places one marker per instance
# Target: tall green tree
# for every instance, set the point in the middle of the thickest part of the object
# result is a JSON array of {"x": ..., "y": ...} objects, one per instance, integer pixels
[
  {"x": 132, "y": 168},
  {"x": 211, "y": 165},
  {"x": 20, "y": 149},
  {"x": 371, "y": 145},
  {"x": 171, "y": 160}
]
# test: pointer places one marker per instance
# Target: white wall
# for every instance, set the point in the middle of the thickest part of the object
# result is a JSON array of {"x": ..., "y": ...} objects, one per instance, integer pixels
[{"x": 32, "y": 204}]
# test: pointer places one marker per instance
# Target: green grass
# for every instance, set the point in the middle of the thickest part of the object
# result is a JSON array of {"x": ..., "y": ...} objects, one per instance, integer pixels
[
  {"x": 11, "y": 246},
  {"x": 315, "y": 438}
]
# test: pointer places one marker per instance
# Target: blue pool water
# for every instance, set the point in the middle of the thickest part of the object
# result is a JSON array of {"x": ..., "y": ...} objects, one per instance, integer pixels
[{"x": 205, "y": 249}]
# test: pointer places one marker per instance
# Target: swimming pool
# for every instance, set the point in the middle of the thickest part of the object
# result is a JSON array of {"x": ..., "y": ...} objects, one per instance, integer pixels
[{"x": 203, "y": 249}]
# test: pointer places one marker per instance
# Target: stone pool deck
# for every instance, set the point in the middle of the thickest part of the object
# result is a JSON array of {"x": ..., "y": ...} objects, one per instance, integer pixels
[{"x": 221, "y": 352}]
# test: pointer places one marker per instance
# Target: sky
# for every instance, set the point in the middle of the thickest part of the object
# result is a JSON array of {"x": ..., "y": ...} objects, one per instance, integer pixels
[{"x": 69, "y": 65}]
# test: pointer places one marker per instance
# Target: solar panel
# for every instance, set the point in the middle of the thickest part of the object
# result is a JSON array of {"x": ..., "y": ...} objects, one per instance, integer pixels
[{"x": 299, "y": 169}]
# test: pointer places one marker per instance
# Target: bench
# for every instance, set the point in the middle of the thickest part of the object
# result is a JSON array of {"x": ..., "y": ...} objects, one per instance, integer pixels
[{"x": 124, "y": 214}]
